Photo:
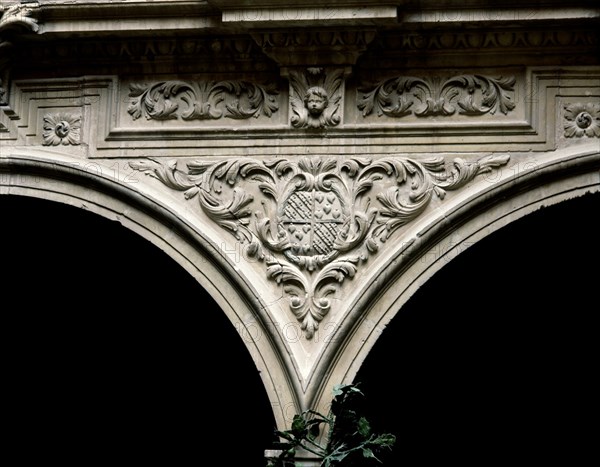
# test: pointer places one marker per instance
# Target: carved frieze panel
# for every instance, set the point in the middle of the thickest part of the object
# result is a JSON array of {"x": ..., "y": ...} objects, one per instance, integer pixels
[
  {"x": 113, "y": 55},
  {"x": 308, "y": 111},
  {"x": 472, "y": 95},
  {"x": 313, "y": 222},
  {"x": 490, "y": 47},
  {"x": 204, "y": 100}
]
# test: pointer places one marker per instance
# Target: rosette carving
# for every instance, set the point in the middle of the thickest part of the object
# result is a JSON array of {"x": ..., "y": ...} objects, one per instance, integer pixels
[
  {"x": 317, "y": 219},
  {"x": 168, "y": 100},
  {"x": 582, "y": 120},
  {"x": 61, "y": 128},
  {"x": 423, "y": 97}
]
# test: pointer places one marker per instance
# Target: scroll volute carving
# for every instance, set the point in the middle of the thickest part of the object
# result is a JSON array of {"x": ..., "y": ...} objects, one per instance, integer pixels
[
  {"x": 14, "y": 19},
  {"x": 472, "y": 95},
  {"x": 204, "y": 100}
]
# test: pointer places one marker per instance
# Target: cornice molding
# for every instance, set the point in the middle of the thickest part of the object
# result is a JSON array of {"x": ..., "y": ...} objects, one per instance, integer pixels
[
  {"x": 165, "y": 16},
  {"x": 125, "y": 17},
  {"x": 313, "y": 17}
]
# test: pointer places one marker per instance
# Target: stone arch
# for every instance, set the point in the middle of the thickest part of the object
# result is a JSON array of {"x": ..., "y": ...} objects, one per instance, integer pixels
[
  {"x": 560, "y": 176},
  {"x": 491, "y": 357},
  {"x": 97, "y": 363},
  {"x": 59, "y": 178}
]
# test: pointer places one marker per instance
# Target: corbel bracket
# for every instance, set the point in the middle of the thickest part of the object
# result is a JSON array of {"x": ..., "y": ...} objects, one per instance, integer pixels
[{"x": 314, "y": 48}]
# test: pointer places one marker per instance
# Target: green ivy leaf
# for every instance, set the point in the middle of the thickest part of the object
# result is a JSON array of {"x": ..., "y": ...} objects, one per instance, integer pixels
[
  {"x": 385, "y": 440},
  {"x": 349, "y": 432},
  {"x": 366, "y": 452},
  {"x": 298, "y": 424},
  {"x": 364, "y": 428}
]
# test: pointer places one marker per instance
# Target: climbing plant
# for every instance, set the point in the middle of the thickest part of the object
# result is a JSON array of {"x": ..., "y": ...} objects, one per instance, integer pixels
[{"x": 342, "y": 438}]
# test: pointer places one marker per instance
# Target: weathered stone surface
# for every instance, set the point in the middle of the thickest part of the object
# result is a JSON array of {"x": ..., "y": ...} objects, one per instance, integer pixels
[{"x": 309, "y": 166}]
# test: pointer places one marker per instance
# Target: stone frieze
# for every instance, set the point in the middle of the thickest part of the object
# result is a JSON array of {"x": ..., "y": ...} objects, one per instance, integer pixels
[{"x": 498, "y": 40}]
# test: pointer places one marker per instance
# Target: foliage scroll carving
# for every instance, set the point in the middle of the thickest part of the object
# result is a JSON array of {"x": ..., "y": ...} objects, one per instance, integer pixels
[
  {"x": 433, "y": 96},
  {"x": 169, "y": 100},
  {"x": 317, "y": 219}
]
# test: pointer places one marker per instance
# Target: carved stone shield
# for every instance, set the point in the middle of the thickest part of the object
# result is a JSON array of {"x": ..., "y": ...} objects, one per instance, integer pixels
[{"x": 312, "y": 220}]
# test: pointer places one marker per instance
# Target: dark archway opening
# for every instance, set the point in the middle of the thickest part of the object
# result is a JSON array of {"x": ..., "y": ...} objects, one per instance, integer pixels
[
  {"x": 113, "y": 353},
  {"x": 494, "y": 360}
]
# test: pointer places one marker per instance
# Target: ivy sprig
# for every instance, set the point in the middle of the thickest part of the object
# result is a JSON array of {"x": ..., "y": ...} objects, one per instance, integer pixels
[{"x": 349, "y": 441}]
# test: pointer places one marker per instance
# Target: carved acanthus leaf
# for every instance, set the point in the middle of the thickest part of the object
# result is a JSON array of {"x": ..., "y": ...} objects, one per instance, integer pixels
[
  {"x": 315, "y": 221},
  {"x": 168, "y": 100},
  {"x": 463, "y": 172},
  {"x": 423, "y": 97}
]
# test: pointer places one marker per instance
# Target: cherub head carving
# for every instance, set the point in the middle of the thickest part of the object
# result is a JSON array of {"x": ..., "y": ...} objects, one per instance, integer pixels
[
  {"x": 316, "y": 100},
  {"x": 315, "y": 97}
]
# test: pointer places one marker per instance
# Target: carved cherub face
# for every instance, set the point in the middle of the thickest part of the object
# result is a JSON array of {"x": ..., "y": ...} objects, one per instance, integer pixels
[{"x": 316, "y": 100}]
